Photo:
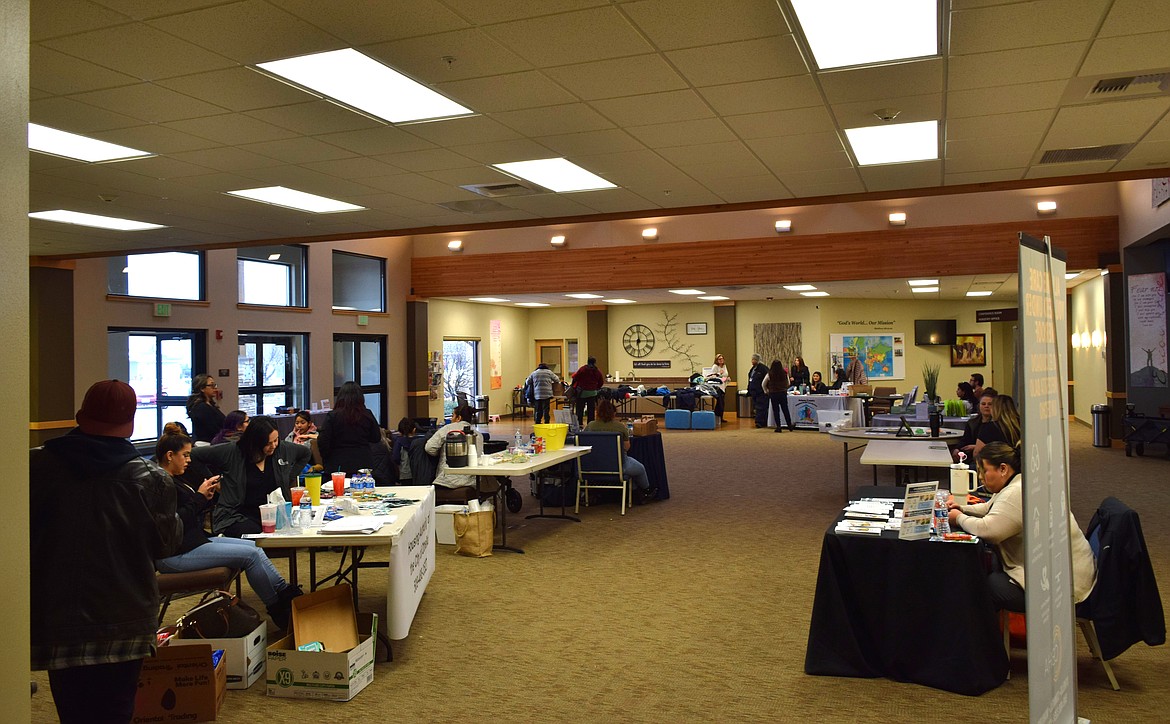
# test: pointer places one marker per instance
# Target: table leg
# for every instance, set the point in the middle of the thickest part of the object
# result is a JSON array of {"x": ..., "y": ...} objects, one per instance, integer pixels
[
  {"x": 540, "y": 496},
  {"x": 845, "y": 460},
  {"x": 502, "y": 507}
]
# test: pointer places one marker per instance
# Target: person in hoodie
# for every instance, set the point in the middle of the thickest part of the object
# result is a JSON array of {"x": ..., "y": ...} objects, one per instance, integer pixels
[{"x": 99, "y": 516}]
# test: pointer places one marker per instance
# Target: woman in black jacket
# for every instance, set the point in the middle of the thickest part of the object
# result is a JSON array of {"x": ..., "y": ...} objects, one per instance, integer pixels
[
  {"x": 347, "y": 433},
  {"x": 203, "y": 408}
]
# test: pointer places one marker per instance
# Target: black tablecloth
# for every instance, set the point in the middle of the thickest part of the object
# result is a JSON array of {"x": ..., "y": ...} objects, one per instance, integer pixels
[
  {"x": 894, "y": 608},
  {"x": 647, "y": 449}
]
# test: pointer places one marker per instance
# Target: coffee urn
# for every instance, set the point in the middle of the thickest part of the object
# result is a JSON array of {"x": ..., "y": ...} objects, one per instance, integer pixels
[{"x": 455, "y": 445}]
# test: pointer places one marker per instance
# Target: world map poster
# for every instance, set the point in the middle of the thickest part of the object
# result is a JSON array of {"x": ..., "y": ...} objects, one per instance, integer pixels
[{"x": 884, "y": 355}]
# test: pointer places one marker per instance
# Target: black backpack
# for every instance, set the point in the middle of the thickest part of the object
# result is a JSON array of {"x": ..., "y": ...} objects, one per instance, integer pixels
[{"x": 529, "y": 393}]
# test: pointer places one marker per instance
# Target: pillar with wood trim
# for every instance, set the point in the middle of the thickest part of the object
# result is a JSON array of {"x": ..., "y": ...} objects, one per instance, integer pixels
[
  {"x": 597, "y": 336},
  {"x": 417, "y": 368},
  {"x": 51, "y": 397},
  {"x": 1116, "y": 373}
]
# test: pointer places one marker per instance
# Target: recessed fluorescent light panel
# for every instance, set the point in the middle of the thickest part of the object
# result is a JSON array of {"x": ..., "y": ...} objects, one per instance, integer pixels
[
  {"x": 979, "y": 294},
  {"x": 555, "y": 174},
  {"x": 714, "y": 298},
  {"x": 800, "y": 287},
  {"x": 99, "y": 222},
  {"x": 70, "y": 145},
  {"x": 361, "y": 82},
  {"x": 1071, "y": 275},
  {"x": 862, "y": 32},
  {"x": 583, "y": 295},
  {"x": 923, "y": 290},
  {"x": 531, "y": 304},
  {"x": 814, "y": 294},
  {"x": 496, "y": 300},
  {"x": 923, "y": 282},
  {"x": 895, "y": 143},
  {"x": 687, "y": 292},
  {"x": 619, "y": 301},
  {"x": 293, "y": 199}
]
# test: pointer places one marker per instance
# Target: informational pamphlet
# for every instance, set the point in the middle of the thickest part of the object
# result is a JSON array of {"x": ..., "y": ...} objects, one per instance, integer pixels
[{"x": 917, "y": 511}]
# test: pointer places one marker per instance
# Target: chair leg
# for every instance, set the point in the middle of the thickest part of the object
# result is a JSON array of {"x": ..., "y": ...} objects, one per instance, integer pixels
[
  {"x": 577, "y": 502},
  {"x": 166, "y": 603},
  {"x": 1090, "y": 633},
  {"x": 1006, "y": 625}
]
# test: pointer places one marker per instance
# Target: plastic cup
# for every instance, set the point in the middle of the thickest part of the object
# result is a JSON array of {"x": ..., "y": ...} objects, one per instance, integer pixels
[
  {"x": 313, "y": 485},
  {"x": 268, "y": 518},
  {"x": 296, "y": 496},
  {"x": 338, "y": 484}
]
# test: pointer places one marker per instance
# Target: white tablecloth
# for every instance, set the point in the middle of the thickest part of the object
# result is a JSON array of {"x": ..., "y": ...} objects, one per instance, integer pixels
[{"x": 803, "y": 409}]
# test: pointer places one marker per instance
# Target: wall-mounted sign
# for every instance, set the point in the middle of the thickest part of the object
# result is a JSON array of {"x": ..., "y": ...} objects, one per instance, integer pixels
[
  {"x": 696, "y": 327},
  {"x": 659, "y": 364},
  {"x": 997, "y": 315}
]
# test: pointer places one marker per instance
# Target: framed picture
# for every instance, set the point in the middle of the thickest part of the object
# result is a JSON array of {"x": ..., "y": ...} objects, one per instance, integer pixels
[
  {"x": 696, "y": 327},
  {"x": 969, "y": 350}
]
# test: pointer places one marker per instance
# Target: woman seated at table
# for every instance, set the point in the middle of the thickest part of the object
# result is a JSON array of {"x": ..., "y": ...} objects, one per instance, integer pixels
[
  {"x": 605, "y": 422},
  {"x": 303, "y": 430},
  {"x": 1004, "y": 426},
  {"x": 197, "y": 551},
  {"x": 461, "y": 417},
  {"x": 839, "y": 379},
  {"x": 816, "y": 386},
  {"x": 348, "y": 431},
  {"x": 233, "y": 426},
  {"x": 1000, "y": 521},
  {"x": 252, "y": 467},
  {"x": 966, "y": 393},
  {"x": 966, "y": 443}
]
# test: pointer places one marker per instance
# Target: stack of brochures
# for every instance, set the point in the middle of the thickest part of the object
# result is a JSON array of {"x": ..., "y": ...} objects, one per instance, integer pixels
[
  {"x": 861, "y": 527},
  {"x": 356, "y": 524}
]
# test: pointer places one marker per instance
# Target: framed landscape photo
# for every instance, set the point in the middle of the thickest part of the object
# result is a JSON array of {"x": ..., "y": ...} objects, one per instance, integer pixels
[
  {"x": 969, "y": 350},
  {"x": 696, "y": 327}
]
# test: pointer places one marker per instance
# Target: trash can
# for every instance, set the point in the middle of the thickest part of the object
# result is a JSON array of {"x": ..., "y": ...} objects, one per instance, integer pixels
[
  {"x": 743, "y": 406},
  {"x": 1101, "y": 426},
  {"x": 481, "y": 403}
]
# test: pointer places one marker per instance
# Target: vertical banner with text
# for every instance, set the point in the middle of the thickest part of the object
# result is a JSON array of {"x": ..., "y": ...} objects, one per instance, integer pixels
[
  {"x": 1042, "y": 373},
  {"x": 496, "y": 354}
]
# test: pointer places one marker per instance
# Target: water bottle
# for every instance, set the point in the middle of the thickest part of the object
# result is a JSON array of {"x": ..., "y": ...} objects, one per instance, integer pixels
[
  {"x": 519, "y": 440},
  {"x": 942, "y": 523},
  {"x": 304, "y": 513}
]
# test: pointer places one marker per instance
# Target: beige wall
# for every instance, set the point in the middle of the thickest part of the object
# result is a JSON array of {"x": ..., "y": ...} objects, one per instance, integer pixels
[
  {"x": 14, "y": 357},
  {"x": 467, "y": 320},
  {"x": 1140, "y": 222},
  {"x": 563, "y": 323},
  {"x": 1088, "y": 365},
  {"x": 654, "y": 316}
]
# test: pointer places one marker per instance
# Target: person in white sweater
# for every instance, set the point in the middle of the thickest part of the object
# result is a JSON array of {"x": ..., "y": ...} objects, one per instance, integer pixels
[{"x": 1000, "y": 521}]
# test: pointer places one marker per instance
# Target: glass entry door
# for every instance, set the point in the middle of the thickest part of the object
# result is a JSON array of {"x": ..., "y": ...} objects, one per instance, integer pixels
[
  {"x": 361, "y": 358},
  {"x": 159, "y": 366}
]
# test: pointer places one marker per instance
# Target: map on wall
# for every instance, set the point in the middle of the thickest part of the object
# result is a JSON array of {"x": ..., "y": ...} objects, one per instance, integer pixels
[
  {"x": 1147, "y": 330},
  {"x": 884, "y": 355}
]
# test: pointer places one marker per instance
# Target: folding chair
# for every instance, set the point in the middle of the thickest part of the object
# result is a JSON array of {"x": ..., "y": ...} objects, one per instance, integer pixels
[{"x": 601, "y": 467}]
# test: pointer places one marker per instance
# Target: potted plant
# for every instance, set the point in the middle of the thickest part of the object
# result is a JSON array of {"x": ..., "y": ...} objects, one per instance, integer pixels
[{"x": 930, "y": 380}]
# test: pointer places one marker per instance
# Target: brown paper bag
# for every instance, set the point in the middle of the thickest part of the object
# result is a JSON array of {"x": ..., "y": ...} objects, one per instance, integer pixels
[{"x": 474, "y": 533}]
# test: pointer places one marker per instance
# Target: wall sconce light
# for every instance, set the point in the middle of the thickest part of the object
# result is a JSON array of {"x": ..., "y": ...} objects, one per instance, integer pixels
[
  {"x": 1045, "y": 207},
  {"x": 455, "y": 245},
  {"x": 1096, "y": 338},
  {"x": 1076, "y": 340},
  {"x": 898, "y": 219},
  {"x": 557, "y": 241},
  {"x": 650, "y": 234},
  {"x": 783, "y": 226}
]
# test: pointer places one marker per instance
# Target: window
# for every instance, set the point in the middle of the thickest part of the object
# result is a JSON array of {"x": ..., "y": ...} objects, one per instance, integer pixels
[
  {"x": 359, "y": 282},
  {"x": 361, "y": 358},
  {"x": 273, "y": 275},
  {"x": 159, "y": 365},
  {"x": 166, "y": 275},
  {"x": 273, "y": 371},
  {"x": 460, "y": 371}
]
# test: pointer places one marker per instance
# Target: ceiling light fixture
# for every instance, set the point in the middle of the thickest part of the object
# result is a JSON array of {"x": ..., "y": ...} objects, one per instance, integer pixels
[
  {"x": 894, "y": 143},
  {"x": 714, "y": 298},
  {"x": 783, "y": 226},
  {"x": 273, "y": 257},
  {"x": 619, "y": 301},
  {"x": 555, "y": 174},
  {"x": 923, "y": 282},
  {"x": 360, "y": 82},
  {"x": 494, "y": 300},
  {"x": 1045, "y": 207},
  {"x": 557, "y": 241},
  {"x": 650, "y": 234},
  {"x": 293, "y": 199},
  {"x": 80, "y": 148},
  {"x": 455, "y": 245},
  {"x": 979, "y": 294},
  {"x": 687, "y": 292},
  {"x": 800, "y": 287},
  {"x": 923, "y": 290},
  {"x": 583, "y": 295},
  {"x": 814, "y": 294},
  {"x": 1071, "y": 275},
  {"x": 98, "y": 222},
  {"x": 861, "y": 32},
  {"x": 531, "y": 304},
  {"x": 898, "y": 219}
]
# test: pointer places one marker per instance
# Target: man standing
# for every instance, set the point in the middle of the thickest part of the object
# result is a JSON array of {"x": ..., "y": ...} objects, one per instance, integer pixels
[
  {"x": 542, "y": 380},
  {"x": 588, "y": 380},
  {"x": 99, "y": 517},
  {"x": 755, "y": 388},
  {"x": 977, "y": 384}
]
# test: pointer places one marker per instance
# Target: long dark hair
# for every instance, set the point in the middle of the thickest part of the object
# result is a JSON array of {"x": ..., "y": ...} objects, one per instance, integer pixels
[
  {"x": 350, "y": 404},
  {"x": 255, "y": 437},
  {"x": 777, "y": 377},
  {"x": 197, "y": 397},
  {"x": 967, "y": 392},
  {"x": 228, "y": 432}
]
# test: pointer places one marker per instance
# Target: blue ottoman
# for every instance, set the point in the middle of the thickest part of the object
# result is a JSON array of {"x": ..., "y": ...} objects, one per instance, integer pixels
[
  {"x": 678, "y": 419},
  {"x": 702, "y": 420}
]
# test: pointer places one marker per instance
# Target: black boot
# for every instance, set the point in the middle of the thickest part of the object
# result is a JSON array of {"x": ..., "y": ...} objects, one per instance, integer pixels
[{"x": 280, "y": 611}]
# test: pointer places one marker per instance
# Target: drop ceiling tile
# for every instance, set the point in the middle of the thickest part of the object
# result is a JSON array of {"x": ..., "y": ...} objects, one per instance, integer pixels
[
  {"x": 381, "y": 200},
  {"x": 593, "y": 142},
  {"x": 1105, "y": 123},
  {"x": 1132, "y": 53},
  {"x": 237, "y": 89},
  {"x": 1133, "y": 17},
  {"x": 520, "y": 149},
  {"x": 353, "y": 168},
  {"x": 782, "y": 123},
  {"x": 775, "y": 57},
  {"x": 991, "y": 153},
  {"x": 674, "y": 24},
  {"x": 573, "y": 37},
  {"x": 982, "y": 177},
  {"x": 165, "y": 167},
  {"x": 1005, "y": 99},
  {"x": 230, "y": 30},
  {"x": 618, "y": 77},
  {"x": 1161, "y": 131},
  {"x": 718, "y": 172},
  {"x": 65, "y": 17},
  {"x": 467, "y": 130},
  {"x": 59, "y": 74},
  {"x": 298, "y": 150},
  {"x": 141, "y": 51},
  {"x": 680, "y": 133},
  {"x": 1023, "y": 25},
  {"x": 772, "y": 94},
  {"x": 808, "y": 184},
  {"x": 610, "y": 201},
  {"x": 420, "y": 188},
  {"x": 479, "y": 174},
  {"x": 475, "y": 55},
  {"x": 547, "y": 205},
  {"x": 144, "y": 9},
  {"x": 365, "y": 23},
  {"x": 315, "y": 118},
  {"x": 731, "y": 153},
  {"x": 226, "y": 158},
  {"x": 375, "y": 141},
  {"x": 36, "y": 95},
  {"x": 231, "y": 129},
  {"x": 1069, "y": 169},
  {"x": 1148, "y": 155},
  {"x": 107, "y": 179},
  {"x": 303, "y": 179},
  {"x": 911, "y": 109},
  {"x": 683, "y": 192},
  {"x": 749, "y": 188},
  {"x": 68, "y": 114},
  {"x": 809, "y": 152},
  {"x": 43, "y": 162},
  {"x": 920, "y": 174},
  {"x": 879, "y": 83},
  {"x": 1029, "y": 123},
  {"x": 149, "y": 102},
  {"x": 433, "y": 159},
  {"x": 668, "y": 107},
  {"x": 155, "y": 138},
  {"x": 569, "y": 118},
  {"x": 527, "y": 89},
  {"x": 1024, "y": 65}
]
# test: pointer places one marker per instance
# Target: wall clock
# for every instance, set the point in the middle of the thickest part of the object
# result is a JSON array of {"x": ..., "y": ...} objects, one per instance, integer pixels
[{"x": 638, "y": 340}]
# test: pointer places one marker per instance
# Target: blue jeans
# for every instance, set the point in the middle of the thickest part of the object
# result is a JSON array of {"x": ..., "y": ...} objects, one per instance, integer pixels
[
  {"x": 233, "y": 553},
  {"x": 636, "y": 472}
]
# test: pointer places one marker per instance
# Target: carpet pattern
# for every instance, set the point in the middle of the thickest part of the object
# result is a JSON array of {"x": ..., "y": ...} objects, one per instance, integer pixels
[{"x": 691, "y": 609}]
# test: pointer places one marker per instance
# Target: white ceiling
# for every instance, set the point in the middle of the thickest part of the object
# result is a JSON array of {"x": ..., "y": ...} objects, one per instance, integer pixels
[{"x": 678, "y": 102}]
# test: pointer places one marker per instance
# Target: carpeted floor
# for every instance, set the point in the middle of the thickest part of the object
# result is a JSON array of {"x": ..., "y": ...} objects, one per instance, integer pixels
[{"x": 691, "y": 609}]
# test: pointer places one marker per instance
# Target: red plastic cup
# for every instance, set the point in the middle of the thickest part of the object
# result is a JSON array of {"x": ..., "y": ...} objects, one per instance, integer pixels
[
  {"x": 296, "y": 496},
  {"x": 338, "y": 484}
]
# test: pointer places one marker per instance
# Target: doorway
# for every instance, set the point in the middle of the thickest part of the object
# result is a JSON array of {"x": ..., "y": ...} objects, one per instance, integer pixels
[{"x": 361, "y": 358}]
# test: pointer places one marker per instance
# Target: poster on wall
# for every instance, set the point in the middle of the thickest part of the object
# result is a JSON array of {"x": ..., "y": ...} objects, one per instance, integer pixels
[
  {"x": 777, "y": 340},
  {"x": 883, "y": 355},
  {"x": 1147, "y": 330},
  {"x": 495, "y": 355}
]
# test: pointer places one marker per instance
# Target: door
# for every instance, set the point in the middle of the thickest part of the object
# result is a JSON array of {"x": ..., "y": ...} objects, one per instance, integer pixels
[
  {"x": 159, "y": 365},
  {"x": 361, "y": 358},
  {"x": 552, "y": 353}
]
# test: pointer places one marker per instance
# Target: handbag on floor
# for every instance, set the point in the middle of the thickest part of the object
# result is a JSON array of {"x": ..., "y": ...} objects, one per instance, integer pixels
[
  {"x": 474, "y": 533},
  {"x": 219, "y": 615}
]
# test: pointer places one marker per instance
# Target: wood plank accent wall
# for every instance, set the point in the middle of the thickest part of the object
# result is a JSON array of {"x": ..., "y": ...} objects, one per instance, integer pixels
[{"x": 894, "y": 252}]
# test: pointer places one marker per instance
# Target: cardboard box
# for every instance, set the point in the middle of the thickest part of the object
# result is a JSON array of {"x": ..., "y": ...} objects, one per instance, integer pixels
[
  {"x": 344, "y": 668},
  {"x": 246, "y": 655},
  {"x": 648, "y": 425},
  {"x": 179, "y": 683}
]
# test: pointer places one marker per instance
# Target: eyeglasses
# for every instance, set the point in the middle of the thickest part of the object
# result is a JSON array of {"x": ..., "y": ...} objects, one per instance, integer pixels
[{"x": 210, "y": 384}]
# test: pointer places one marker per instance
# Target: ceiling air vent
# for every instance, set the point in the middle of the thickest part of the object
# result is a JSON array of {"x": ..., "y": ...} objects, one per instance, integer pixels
[
  {"x": 475, "y": 206},
  {"x": 1132, "y": 85},
  {"x": 1113, "y": 152},
  {"x": 496, "y": 190}
]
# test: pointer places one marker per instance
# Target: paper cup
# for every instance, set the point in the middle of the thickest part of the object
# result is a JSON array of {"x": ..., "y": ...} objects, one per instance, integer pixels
[{"x": 268, "y": 518}]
